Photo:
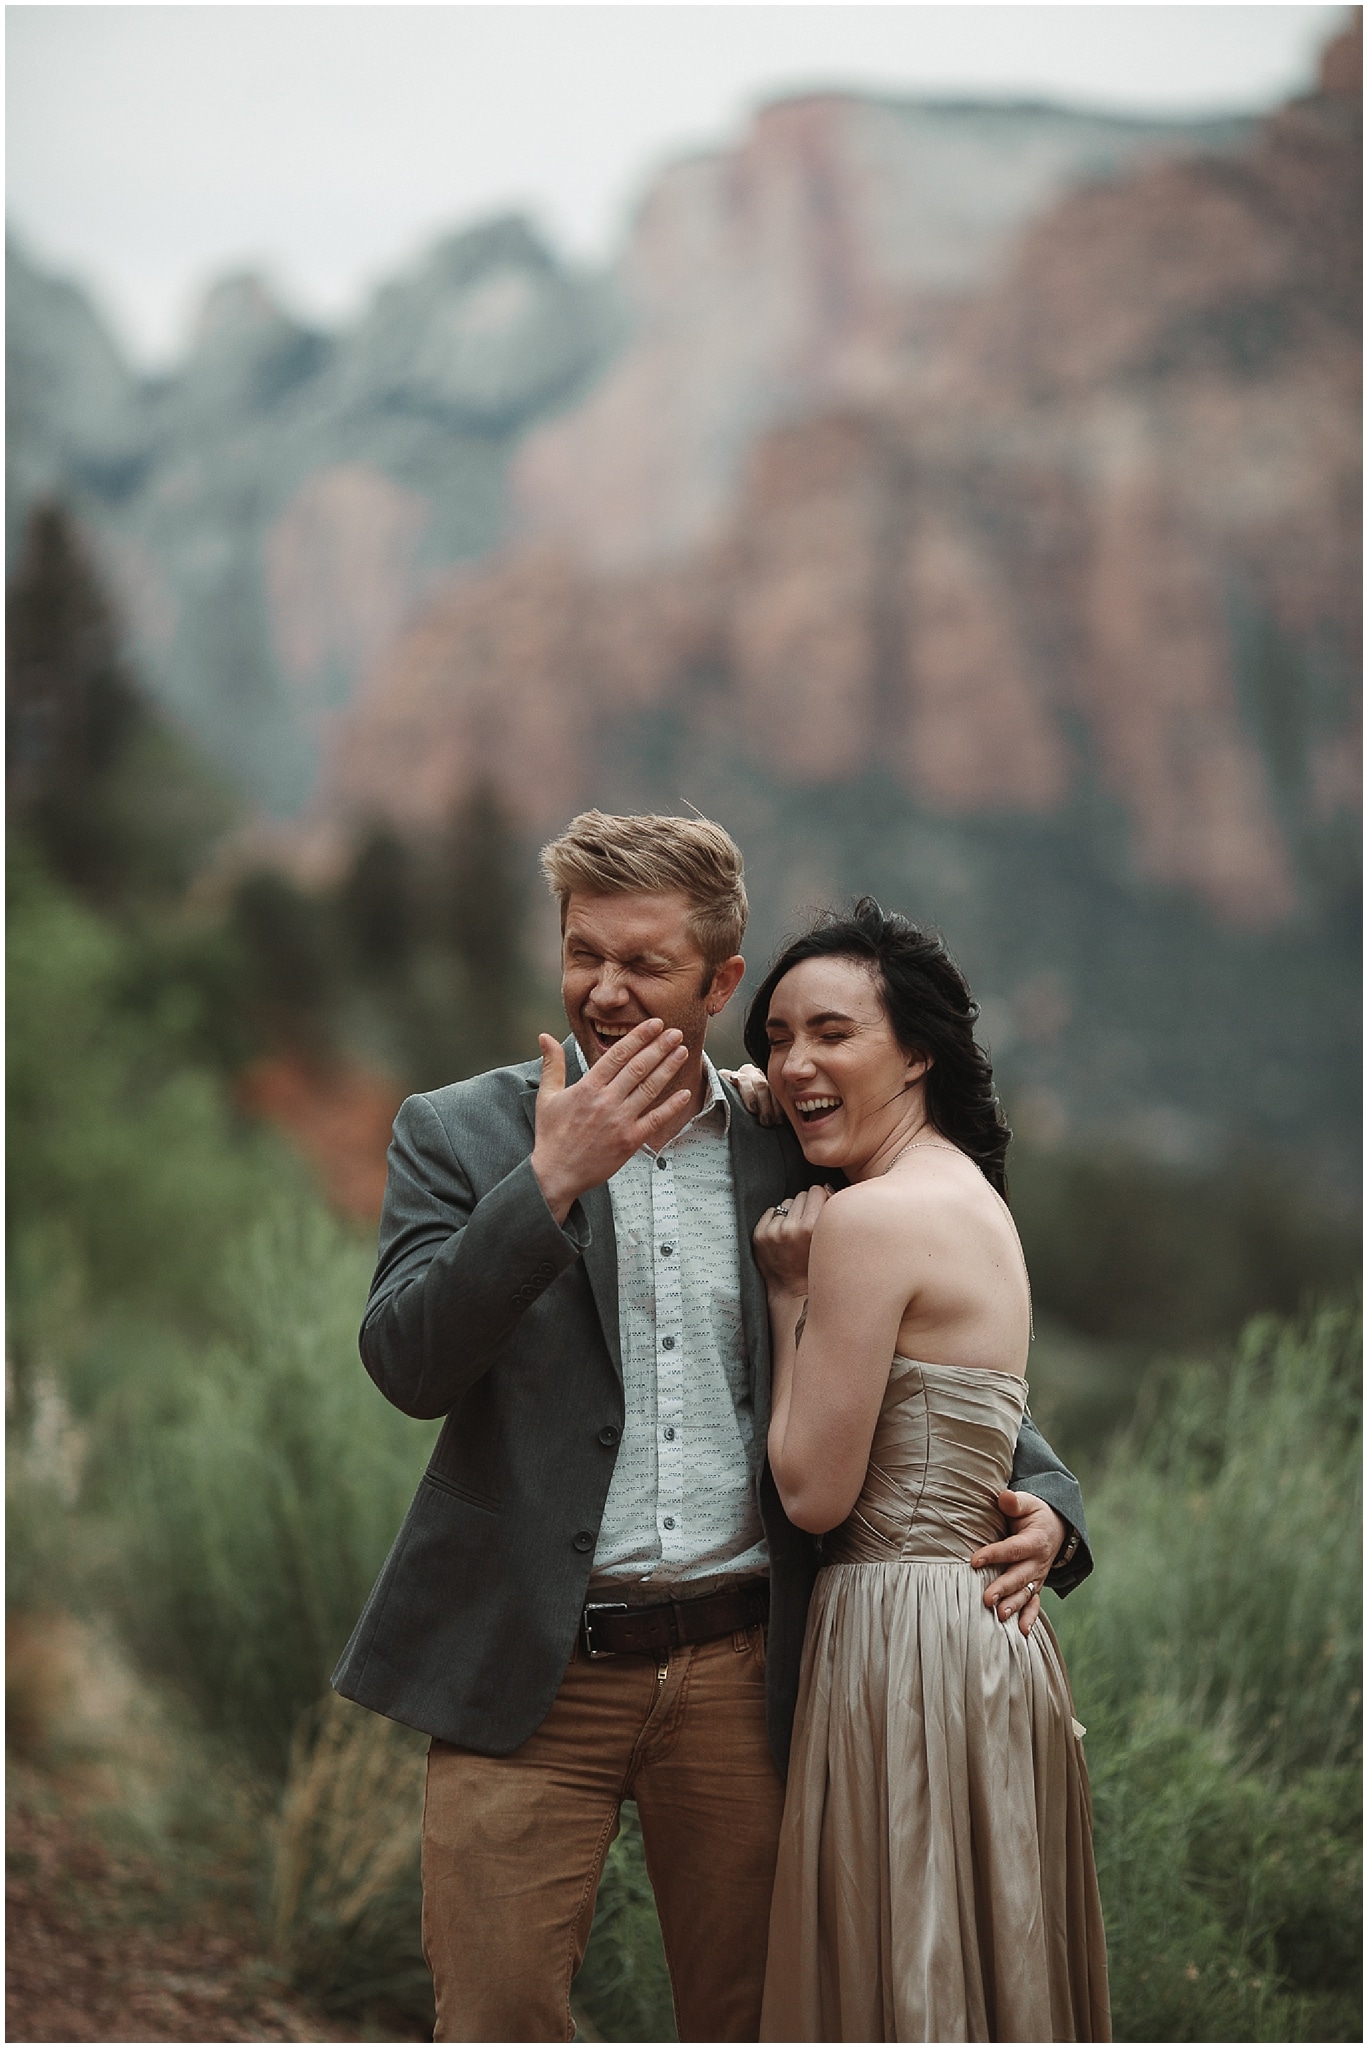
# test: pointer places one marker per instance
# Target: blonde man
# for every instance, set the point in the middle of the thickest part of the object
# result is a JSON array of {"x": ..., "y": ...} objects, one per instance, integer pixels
[{"x": 596, "y": 1595}]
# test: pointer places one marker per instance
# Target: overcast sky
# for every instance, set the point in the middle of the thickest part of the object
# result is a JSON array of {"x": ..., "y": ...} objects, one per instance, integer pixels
[{"x": 152, "y": 148}]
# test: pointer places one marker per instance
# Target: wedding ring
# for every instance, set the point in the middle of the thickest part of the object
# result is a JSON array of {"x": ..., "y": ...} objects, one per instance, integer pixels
[
  {"x": 781, "y": 1208},
  {"x": 1030, "y": 1588}
]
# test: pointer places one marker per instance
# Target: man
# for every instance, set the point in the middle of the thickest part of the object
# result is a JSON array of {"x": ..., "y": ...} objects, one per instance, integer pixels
[{"x": 575, "y": 1608}]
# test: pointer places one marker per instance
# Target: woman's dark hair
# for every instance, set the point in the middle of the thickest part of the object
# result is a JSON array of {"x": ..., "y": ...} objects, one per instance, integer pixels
[{"x": 929, "y": 1006}]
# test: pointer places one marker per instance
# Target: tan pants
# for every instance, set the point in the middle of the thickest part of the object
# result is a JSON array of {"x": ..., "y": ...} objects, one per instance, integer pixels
[{"x": 513, "y": 1846}]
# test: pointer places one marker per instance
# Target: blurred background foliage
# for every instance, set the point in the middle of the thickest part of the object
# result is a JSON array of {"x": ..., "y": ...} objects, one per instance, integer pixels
[{"x": 202, "y": 1476}]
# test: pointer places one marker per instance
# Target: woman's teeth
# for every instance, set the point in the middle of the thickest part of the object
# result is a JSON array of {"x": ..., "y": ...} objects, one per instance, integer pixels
[{"x": 820, "y": 1105}]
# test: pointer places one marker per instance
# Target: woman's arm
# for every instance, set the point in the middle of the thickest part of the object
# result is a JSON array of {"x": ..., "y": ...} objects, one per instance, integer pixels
[{"x": 849, "y": 1259}]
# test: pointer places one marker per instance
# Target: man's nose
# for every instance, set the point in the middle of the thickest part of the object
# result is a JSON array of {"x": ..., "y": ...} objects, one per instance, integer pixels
[{"x": 610, "y": 988}]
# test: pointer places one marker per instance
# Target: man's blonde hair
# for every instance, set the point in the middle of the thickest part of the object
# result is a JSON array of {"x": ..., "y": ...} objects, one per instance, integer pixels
[{"x": 601, "y": 855}]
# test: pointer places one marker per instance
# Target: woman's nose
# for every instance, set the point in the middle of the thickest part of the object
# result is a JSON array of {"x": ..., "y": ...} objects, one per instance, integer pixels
[{"x": 797, "y": 1064}]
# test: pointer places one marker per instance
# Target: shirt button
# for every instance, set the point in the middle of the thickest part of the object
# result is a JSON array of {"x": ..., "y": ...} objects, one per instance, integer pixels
[
  {"x": 662, "y": 1164},
  {"x": 668, "y": 1433},
  {"x": 608, "y": 1435},
  {"x": 667, "y": 1343},
  {"x": 669, "y": 1521},
  {"x": 665, "y": 1250},
  {"x": 584, "y": 1541}
]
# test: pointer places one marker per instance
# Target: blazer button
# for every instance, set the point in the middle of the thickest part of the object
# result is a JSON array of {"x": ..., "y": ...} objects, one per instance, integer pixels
[
  {"x": 608, "y": 1435},
  {"x": 584, "y": 1541}
]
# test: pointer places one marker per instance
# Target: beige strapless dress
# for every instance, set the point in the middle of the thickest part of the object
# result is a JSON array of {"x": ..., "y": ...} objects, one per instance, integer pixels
[{"x": 936, "y": 1878}]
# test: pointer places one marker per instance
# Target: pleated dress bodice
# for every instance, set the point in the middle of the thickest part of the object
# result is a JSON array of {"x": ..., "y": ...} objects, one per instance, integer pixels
[{"x": 942, "y": 1452}]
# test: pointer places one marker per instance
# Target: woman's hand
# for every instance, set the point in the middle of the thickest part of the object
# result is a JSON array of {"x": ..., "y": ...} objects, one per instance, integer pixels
[
  {"x": 782, "y": 1238},
  {"x": 756, "y": 1095}
]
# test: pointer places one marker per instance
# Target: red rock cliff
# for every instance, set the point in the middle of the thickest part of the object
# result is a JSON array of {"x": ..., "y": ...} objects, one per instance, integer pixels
[{"x": 1056, "y": 552}]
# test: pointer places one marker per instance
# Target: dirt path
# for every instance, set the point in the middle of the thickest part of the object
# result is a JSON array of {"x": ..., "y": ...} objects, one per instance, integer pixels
[{"x": 96, "y": 1951}]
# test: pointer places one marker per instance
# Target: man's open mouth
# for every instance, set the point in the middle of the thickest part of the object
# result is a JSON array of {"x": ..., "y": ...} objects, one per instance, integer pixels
[
  {"x": 817, "y": 1108},
  {"x": 608, "y": 1034}
]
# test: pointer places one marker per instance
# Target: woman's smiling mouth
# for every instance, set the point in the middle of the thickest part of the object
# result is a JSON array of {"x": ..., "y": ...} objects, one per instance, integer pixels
[{"x": 815, "y": 1109}]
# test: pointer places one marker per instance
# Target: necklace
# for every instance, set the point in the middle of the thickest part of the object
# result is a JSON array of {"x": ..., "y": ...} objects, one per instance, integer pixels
[
  {"x": 923, "y": 1145},
  {"x": 930, "y": 1145}
]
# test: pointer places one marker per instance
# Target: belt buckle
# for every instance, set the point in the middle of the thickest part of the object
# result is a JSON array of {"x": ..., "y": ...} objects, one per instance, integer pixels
[{"x": 587, "y": 1625}]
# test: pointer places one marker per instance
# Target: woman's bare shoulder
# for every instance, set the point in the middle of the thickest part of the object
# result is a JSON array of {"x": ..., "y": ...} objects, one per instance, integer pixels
[
  {"x": 924, "y": 1192},
  {"x": 890, "y": 1201}
]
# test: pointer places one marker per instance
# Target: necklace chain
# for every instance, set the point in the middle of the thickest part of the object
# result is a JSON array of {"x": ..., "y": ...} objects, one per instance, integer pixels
[{"x": 923, "y": 1145}]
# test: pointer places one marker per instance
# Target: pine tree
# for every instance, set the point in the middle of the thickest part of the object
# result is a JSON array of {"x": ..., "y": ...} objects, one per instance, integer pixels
[
  {"x": 112, "y": 797},
  {"x": 485, "y": 902}
]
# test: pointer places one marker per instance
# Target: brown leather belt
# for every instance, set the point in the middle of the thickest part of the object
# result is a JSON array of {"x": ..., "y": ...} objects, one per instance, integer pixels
[{"x": 612, "y": 1629}]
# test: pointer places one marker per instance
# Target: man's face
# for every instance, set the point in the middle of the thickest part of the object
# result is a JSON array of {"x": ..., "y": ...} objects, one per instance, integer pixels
[{"x": 626, "y": 958}]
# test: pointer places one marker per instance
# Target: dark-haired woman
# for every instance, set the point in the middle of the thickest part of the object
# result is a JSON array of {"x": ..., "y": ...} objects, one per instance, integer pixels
[{"x": 935, "y": 1877}]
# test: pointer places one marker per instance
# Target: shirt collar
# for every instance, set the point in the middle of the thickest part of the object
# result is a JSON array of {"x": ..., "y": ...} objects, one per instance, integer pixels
[{"x": 714, "y": 1094}]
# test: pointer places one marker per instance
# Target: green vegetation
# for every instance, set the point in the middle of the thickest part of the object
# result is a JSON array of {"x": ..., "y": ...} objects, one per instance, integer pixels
[
  {"x": 1215, "y": 1658},
  {"x": 183, "y": 1341},
  {"x": 197, "y": 1455}
]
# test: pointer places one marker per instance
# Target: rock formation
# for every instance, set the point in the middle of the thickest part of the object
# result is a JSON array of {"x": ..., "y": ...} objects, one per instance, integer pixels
[
  {"x": 1052, "y": 636},
  {"x": 1066, "y": 551},
  {"x": 811, "y": 264}
]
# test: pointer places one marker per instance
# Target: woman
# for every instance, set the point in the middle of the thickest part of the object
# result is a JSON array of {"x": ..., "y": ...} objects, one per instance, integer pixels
[{"x": 935, "y": 1878}]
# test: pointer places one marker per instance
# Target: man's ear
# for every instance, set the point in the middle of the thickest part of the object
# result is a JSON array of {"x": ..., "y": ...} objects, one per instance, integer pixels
[{"x": 726, "y": 980}]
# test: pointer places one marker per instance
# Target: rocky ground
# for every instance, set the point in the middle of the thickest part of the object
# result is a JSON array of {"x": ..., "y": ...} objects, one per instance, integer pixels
[
  {"x": 120, "y": 1924},
  {"x": 98, "y": 1949}
]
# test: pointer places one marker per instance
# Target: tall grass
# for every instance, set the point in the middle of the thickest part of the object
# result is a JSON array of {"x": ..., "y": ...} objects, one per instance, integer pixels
[
  {"x": 256, "y": 1508},
  {"x": 344, "y": 1908},
  {"x": 1228, "y": 1533},
  {"x": 1215, "y": 1658}
]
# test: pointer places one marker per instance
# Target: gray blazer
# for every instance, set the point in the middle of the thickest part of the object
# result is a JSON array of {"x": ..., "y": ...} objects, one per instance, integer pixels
[{"x": 485, "y": 1310}]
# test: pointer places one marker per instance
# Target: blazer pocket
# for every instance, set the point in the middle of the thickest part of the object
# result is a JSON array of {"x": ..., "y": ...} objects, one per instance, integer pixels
[{"x": 466, "y": 1493}]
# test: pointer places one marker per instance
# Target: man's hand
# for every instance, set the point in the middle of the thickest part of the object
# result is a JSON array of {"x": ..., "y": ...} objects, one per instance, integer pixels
[
  {"x": 755, "y": 1092},
  {"x": 585, "y": 1133},
  {"x": 1023, "y": 1559}
]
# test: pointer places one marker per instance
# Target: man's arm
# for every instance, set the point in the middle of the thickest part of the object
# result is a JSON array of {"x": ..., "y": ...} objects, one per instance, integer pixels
[
  {"x": 1037, "y": 1470},
  {"x": 454, "y": 1276},
  {"x": 1047, "y": 1544}
]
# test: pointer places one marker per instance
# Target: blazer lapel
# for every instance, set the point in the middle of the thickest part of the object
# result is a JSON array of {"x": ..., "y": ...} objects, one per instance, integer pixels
[
  {"x": 601, "y": 1264},
  {"x": 757, "y": 1181},
  {"x": 600, "y": 1254}
]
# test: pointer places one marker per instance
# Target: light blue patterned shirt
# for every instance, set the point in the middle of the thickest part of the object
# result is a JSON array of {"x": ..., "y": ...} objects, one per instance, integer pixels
[{"x": 681, "y": 1509}]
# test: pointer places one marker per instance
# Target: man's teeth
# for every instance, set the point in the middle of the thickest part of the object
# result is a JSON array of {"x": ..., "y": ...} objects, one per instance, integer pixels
[{"x": 613, "y": 1030}]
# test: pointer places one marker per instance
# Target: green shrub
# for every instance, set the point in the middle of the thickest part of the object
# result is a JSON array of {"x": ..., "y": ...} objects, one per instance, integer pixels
[
  {"x": 1215, "y": 1657},
  {"x": 1227, "y": 1533},
  {"x": 345, "y": 1896},
  {"x": 113, "y": 1140},
  {"x": 256, "y": 1514}
]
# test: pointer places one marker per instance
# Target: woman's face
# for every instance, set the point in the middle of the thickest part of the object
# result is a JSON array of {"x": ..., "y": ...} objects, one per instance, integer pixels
[{"x": 836, "y": 1069}]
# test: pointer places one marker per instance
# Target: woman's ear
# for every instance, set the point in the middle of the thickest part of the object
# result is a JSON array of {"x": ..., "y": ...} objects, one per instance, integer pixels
[{"x": 918, "y": 1065}]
